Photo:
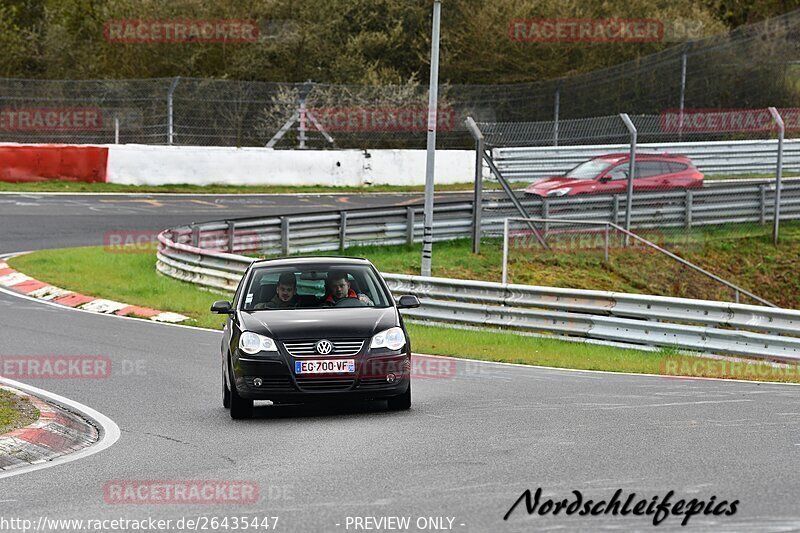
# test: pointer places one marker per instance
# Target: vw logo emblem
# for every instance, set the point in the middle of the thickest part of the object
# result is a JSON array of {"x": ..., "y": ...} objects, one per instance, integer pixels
[{"x": 324, "y": 347}]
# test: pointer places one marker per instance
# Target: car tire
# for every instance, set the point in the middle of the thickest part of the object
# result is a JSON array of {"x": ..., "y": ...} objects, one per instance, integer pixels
[
  {"x": 226, "y": 392},
  {"x": 401, "y": 402},
  {"x": 240, "y": 407}
]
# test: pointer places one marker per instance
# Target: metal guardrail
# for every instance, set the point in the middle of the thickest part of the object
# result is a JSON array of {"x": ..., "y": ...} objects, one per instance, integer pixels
[
  {"x": 194, "y": 254},
  {"x": 710, "y": 157},
  {"x": 336, "y": 230}
]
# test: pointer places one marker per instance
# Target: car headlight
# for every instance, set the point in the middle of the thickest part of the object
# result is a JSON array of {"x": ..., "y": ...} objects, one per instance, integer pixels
[
  {"x": 559, "y": 192},
  {"x": 252, "y": 343},
  {"x": 392, "y": 338}
]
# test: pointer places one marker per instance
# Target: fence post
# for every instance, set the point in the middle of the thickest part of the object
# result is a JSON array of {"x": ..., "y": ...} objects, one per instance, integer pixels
[
  {"x": 285, "y": 235},
  {"x": 231, "y": 235},
  {"x": 116, "y": 130},
  {"x": 477, "y": 205},
  {"x": 631, "y": 173},
  {"x": 683, "y": 95},
  {"x": 170, "y": 121},
  {"x": 689, "y": 202},
  {"x": 556, "y": 109},
  {"x": 778, "y": 172},
  {"x": 410, "y": 225},
  {"x": 342, "y": 230}
]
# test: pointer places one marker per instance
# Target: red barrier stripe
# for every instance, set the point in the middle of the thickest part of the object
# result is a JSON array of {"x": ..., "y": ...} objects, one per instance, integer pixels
[
  {"x": 25, "y": 163},
  {"x": 145, "y": 312},
  {"x": 29, "y": 286},
  {"x": 74, "y": 299}
]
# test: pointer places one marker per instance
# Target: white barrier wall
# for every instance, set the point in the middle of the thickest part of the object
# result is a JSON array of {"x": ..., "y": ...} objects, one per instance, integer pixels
[{"x": 134, "y": 164}]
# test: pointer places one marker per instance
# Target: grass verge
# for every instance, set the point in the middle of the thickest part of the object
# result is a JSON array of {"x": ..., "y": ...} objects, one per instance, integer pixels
[
  {"x": 132, "y": 278},
  {"x": 15, "y": 412}
]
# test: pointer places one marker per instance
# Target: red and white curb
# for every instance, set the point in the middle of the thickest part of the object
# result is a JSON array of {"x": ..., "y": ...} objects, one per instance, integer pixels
[
  {"x": 19, "y": 282},
  {"x": 57, "y": 432}
]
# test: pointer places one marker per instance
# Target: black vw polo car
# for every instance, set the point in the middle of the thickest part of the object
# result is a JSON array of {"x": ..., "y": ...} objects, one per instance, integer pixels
[{"x": 314, "y": 329}]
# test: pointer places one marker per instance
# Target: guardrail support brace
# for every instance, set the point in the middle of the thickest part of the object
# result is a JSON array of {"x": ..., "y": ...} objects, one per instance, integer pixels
[
  {"x": 342, "y": 230},
  {"x": 231, "y": 235},
  {"x": 410, "y": 225},
  {"x": 285, "y": 235}
]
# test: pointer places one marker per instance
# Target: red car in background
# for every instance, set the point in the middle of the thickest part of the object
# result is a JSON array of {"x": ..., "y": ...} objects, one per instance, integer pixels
[{"x": 608, "y": 174}]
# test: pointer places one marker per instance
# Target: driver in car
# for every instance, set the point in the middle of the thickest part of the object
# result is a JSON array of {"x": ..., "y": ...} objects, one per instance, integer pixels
[
  {"x": 285, "y": 294},
  {"x": 339, "y": 289}
]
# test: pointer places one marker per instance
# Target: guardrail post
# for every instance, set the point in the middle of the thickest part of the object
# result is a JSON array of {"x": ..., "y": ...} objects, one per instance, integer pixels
[
  {"x": 545, "y": 214},
  {"x": 477, "y": 205},
  {"x": 505, "y": 251},
  {"x": 342, "y": 230},
  {"x": 410, "y": 225},
  {"x": 231, "y": 235},
  {"x": 195, "y": 234},
  {"x": 689, "y": 203},
  {"x": 605, "y": 245},
  {"x": 285, "y": 235},
  {"x": 763, "y": 199},
  {"x": 615, "y": 210}
]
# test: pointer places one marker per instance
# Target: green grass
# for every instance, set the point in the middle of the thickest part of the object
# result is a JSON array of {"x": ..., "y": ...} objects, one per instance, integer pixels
[
  {"x": 15, "y": 412},
  {"x": 79, "y": 187},
  {"x": 131, "y": 278}
]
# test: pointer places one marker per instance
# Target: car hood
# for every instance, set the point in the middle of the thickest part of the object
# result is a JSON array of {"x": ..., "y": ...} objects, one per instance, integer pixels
[
  {"x": 553, "y": 183},
  {"x": 327, "y": 323}
]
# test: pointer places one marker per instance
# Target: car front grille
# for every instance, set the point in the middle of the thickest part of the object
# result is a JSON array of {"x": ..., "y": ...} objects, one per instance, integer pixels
[
  {"x": 308, "y": 348},
  {"x": 324, "y": 384}
]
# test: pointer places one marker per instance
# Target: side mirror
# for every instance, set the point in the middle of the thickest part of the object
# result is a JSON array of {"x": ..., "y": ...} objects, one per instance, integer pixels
[
  {"x": 407, "y": 301},
  {"x": 222, "y": 307}
]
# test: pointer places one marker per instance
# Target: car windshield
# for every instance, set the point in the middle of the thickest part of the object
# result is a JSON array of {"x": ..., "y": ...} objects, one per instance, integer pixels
[
  {"x": 589, "y": 170},
  {"x": 314, "y": 286}
]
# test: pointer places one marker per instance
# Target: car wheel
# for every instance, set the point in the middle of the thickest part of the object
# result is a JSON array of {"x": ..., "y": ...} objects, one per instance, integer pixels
[
  {"x": 240, "y": 407},
  {"x": 402, "y": 401},
  {"x": 226, "y": 392}
]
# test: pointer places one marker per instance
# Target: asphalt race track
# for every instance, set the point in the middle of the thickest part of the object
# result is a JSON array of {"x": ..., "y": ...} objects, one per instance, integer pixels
[{"x": 473, "y": 441}]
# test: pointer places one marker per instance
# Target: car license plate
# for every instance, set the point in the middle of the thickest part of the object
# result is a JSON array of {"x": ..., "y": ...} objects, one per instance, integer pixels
[{"x": 325, "y": 366}]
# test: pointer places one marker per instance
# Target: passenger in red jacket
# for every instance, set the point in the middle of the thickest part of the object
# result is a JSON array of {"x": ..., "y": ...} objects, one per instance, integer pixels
[{"x": 338, "y": 288}]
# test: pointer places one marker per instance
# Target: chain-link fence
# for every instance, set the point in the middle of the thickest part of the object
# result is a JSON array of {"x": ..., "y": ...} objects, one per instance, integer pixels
[
  {"x": 705, "y": 183},
  {"x": 752, "y": 67}
]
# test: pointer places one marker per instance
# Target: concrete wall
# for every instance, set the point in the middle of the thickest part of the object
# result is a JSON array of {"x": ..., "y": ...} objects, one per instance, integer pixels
[{"x": 156, "y": 165}]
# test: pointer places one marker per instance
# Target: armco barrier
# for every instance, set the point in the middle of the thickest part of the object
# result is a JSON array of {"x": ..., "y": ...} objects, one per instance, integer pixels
[
  {"x": 711, "y": 157},
  {"x": 24, "y": 163},
  {"x": 708, "y": 326}
]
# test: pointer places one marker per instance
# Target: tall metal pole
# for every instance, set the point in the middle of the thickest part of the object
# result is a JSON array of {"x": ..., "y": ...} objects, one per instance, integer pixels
[
  {"x": 683, "y": 94},
  {"x": 170, "y": 123},
  {"x": 556, "y": 106},
  {"x": 427, "y": 232},
  {"x": 778, "y": 175},
  {"x": 631, "y": 172}
]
